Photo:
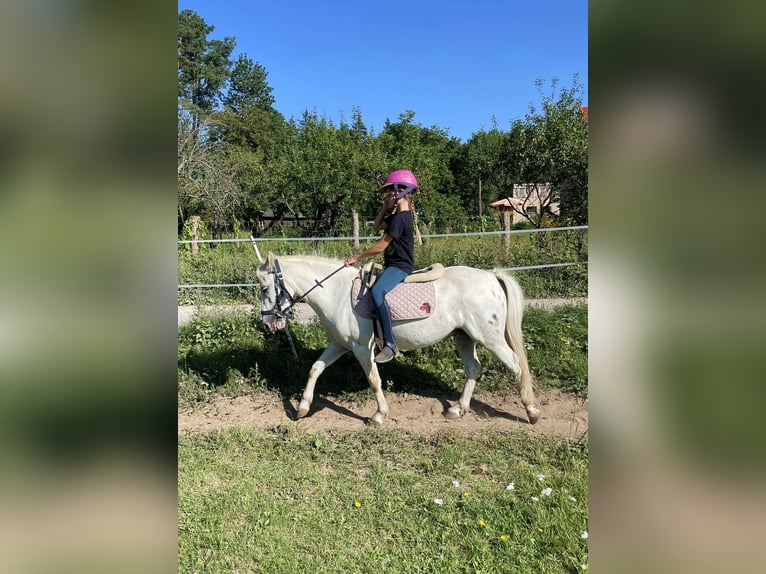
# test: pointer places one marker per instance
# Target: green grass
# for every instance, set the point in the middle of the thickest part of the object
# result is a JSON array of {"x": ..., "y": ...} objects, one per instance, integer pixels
[
  {"x": 236, "y": 262},
  {"x": 284, "y": 501},
  {"x": 233, "y": 355}
]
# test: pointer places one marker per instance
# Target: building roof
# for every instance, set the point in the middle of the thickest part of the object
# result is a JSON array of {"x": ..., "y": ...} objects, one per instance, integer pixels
[
  {"x": 507, "y": 204},
  {"x": 269, "y": 214}
]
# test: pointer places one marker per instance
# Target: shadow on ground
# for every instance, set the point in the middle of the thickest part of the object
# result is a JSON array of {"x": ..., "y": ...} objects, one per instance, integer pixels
[{"x": 270, "y": 365}]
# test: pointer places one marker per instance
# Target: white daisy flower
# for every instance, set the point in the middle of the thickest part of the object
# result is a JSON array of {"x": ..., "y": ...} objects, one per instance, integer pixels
[
  {"x": 456, "y": 483},
  {"x": 546, "y": 491},
  {"x": 540, "y": 477},
  {"x": 572, "y": 498},
  {"x": 584, "y": 535},
  {"x": 511, "y": 486},
  {"x": 535, "y": 499},
  {"x": 438, "y": 501}
]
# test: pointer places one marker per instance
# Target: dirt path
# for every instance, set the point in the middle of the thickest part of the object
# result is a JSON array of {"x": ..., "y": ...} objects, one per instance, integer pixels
[{"x": 563, "y": 415}]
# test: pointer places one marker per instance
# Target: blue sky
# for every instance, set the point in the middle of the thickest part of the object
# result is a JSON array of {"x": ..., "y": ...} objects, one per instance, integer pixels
[{"x": 456, "y": 64}]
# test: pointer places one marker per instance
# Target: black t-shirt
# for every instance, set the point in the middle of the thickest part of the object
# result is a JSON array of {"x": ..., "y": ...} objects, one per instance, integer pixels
[{"x": 400, "y": 252}]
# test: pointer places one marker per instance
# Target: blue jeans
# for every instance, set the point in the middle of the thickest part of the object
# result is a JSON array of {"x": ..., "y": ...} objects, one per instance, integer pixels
[{"x": 386, "y": 281}]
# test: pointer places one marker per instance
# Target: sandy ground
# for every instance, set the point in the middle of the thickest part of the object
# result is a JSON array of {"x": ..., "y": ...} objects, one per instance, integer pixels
[{"x": 563, "y": 415}]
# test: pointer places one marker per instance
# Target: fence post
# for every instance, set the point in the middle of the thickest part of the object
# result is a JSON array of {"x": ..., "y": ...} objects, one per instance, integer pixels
[
  {"x": 355, "y": 229},
  {"x": 194, "y": 235},
  {"x": 418, "y": 237},
  {"x": 507, "y": 228}
]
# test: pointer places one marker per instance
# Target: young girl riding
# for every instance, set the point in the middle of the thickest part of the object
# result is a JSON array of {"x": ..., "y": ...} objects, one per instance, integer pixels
[{"x": 396, "y": 218}]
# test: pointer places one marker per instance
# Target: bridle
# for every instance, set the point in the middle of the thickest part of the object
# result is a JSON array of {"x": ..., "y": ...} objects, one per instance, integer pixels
[{"x": 283, "y": 296}]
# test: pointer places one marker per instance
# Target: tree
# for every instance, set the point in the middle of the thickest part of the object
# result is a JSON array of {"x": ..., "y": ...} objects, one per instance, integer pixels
[
  {"x": 203, "y": 66},
  {"x": 427, "y": 152},
  {"x": 248, "y": 119},
  {"x": 543, "y": 158},
  {"x": 483, "y": 164},
  {"x": 208, "y": 179},
  {"x": 556, "y": 149},
  {"x": 248, "y": 87}
]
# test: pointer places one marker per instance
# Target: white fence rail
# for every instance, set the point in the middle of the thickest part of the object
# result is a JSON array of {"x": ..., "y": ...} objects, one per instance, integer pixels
[
  {"x": 468, "y": 234},
  {"x": 375, "y": 237}
]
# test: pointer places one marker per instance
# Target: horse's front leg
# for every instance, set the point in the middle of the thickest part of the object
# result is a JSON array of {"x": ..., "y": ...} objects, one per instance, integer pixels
[
  {"x": 363, "y": 354},
  {"x": 331, "y": 354}
]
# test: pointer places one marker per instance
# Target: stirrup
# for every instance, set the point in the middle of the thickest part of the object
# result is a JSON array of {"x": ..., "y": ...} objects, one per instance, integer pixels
[{"x": 386, "y": 354}]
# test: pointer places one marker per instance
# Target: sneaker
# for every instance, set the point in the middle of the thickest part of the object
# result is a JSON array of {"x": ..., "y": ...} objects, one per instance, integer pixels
[{"x": 386, "y": 354}]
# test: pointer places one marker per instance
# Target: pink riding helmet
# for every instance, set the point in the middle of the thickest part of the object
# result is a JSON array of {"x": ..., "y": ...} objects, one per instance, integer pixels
[{"x": 401, "y": 177}]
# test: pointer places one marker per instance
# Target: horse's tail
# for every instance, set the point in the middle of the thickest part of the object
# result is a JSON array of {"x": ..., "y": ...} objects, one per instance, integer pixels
[{"x": 513, "y": 335}]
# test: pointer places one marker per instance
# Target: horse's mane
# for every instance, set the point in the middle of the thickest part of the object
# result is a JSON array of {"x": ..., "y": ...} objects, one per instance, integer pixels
[{"x": 316, "y": 258}]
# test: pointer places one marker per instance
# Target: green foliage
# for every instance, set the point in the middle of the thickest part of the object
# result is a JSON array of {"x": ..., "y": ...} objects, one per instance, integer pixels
[
  {"x": 557, "y": 345},
  {"x": 555, "y": 148},
  {"x": 203, "y": 64},
  {"x": 238, "y": 157},
  {"x": 236, "y": 263},
  {"x": 248, "y": 87},
  {"x": 490, "y": 158},
  {"x": 286, "y": 501},
  {"x": 213, "y": 352},
  {"x": 187, "y": 235}
]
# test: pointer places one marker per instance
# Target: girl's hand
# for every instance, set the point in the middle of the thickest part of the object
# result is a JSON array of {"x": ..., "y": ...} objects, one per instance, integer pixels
[{"x": 350, "y": 261}]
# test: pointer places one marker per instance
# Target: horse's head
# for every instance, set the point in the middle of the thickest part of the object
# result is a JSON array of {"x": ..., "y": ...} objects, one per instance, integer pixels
[{"x": 273, "y": 294}]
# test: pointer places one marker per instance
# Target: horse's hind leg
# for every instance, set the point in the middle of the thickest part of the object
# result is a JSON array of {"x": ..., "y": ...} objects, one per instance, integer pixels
[
  {"x": 510, "y": 360},
  {"x": 466, "y": 348},
  {"x": 331, "y": 354}
]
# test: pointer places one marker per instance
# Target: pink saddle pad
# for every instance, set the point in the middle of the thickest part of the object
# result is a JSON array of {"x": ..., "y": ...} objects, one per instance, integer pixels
[{"x": 407, "y": 300}]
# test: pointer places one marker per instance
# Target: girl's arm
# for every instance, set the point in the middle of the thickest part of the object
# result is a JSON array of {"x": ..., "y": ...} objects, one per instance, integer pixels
[{"x": 375, "y": 249}]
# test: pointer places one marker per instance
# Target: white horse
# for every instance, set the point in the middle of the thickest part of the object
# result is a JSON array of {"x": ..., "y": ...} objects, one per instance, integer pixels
[{"x": 473, "y": 306}]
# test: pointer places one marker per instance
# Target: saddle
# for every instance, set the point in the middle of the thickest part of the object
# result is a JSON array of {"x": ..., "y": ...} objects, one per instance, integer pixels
[{"x": 414, "y": 298}]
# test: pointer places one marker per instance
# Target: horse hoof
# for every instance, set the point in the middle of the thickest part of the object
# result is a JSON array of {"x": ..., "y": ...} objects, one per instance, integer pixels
[
  {"x": 452, "y": 413},
  {"x": 377, "y": 419},
  {"x": 303, "y": 410},
  {"x": 533, "y": 413}
]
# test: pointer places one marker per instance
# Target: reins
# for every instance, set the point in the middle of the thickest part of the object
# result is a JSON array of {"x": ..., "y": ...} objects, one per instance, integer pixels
[
  {"x": 283, "y": 294},
  {"x": 316, "y": 284}
]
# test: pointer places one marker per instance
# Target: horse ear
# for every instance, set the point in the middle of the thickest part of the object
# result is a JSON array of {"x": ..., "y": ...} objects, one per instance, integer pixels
[
  {"x": 257, "y": 251},
  {"x": 271, "y": 258}
]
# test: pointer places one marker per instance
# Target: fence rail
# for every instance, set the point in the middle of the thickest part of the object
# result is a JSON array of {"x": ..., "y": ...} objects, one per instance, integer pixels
[
  {"x": 371, "y": 237},
  {"x": 467, "y": 234}
]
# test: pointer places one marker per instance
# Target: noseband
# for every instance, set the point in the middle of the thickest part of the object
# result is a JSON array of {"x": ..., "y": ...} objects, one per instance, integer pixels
[{"x": 282, "y": 296}]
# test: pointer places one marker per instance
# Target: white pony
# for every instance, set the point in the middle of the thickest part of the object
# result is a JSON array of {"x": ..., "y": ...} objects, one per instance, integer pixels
[{"x": 473, "y": 306}]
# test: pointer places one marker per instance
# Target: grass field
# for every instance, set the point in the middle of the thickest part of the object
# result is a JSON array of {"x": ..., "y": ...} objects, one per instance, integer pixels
[
  {"x": 381, "y": 501},
  {"x": 378, "y": 500}
]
